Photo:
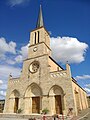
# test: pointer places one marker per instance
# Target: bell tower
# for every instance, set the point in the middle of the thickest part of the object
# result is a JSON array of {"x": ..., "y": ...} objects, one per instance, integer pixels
[{"x": 39, "y": 39}]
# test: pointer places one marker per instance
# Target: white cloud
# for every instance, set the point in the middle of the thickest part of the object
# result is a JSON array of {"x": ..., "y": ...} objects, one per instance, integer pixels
[
  {"x": 6, "y": 47},
  {"x": 24, "y": 51},
  {"x": 3, "y": 93},
  {"x": 68, "y": 49},
  {"x": 17, "y": 2},
  {"x": 5, "y": 71},
  {"x": 2, "y": 89},
  {"x": 11, "y": 47},
  {"x": 83, "y": 77},
  {"x": 1, "y": 82},
  {"x": 15, "y": 57},
  {"x": 87, "y": 90},
  {"x": 23, "y": 54},
  {"x": 10, "y": 61},
  {"x": 87, "y": 85},
  {"x": 19, "y": 59}
]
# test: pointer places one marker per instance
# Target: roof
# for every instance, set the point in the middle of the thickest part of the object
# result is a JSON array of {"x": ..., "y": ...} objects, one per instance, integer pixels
[
  {"x": 2, "y": 100},
  {"x": 77, "y": 84},
  {"x": 40, "y": 19},
  {"x": 55, "y": 62}
]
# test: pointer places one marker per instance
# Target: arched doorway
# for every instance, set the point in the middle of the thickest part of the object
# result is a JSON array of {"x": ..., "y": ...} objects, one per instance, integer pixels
[
  {"x": 33, "y": 99},
  {"x": 56, "y": 95},
  {"x": 14, "y": 101}
]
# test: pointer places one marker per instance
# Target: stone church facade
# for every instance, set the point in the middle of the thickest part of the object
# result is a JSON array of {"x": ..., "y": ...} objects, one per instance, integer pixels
[{"x": 43, "y": 83}]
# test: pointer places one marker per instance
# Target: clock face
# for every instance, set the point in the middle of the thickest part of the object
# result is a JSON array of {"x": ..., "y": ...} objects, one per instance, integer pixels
[
  {"x": 34, "y": 66},
  {"x": 35, "y": 49}
]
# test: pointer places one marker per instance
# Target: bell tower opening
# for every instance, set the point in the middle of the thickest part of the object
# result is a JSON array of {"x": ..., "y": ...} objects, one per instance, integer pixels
[
  {"x": 35, "y": 37},
  {"x": 38, "y": 36}
]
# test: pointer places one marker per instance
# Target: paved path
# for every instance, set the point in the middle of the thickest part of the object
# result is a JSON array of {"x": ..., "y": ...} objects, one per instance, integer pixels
[
  {"x": 12, "y": 119},
  {"x": 83, "y": 115}
]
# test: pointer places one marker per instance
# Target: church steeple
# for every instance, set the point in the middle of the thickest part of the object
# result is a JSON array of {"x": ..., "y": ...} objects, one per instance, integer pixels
[
  {"x": 40, "y": 19},
  {"x": 39, "y": 39}
]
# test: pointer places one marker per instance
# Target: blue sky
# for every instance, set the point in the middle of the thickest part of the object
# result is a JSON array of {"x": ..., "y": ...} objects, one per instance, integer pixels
[{"x": 68, "y": 22}]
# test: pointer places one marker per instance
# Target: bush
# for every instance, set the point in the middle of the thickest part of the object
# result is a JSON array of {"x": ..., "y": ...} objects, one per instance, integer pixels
[
  {"x": 45, "y": 111},
  {"x": 19, "y": 110}
]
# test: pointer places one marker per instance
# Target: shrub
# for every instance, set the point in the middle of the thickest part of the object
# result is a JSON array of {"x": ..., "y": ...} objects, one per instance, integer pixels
[
  {"x": 19, "y": 110},
  {"x": 45, "y": 111}
]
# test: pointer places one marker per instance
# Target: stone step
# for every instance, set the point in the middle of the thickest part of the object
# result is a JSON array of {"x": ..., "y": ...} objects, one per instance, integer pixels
[
  {"x": 28, "y": 117},
  {"x": 12, "y": 119}
]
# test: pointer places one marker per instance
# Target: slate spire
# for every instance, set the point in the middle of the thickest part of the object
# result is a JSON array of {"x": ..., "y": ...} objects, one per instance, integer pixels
[{"x": 40, "y": 19}]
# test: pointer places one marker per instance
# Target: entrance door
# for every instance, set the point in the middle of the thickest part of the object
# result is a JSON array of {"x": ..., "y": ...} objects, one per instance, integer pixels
[
  {"x": 35, "y": 104},
  {"x": 58, "y": 104},
  {"x": 16, "y": 105}
]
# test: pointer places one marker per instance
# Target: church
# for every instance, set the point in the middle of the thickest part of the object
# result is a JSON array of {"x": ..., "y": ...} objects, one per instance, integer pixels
[{"x": 43, "y": 83}]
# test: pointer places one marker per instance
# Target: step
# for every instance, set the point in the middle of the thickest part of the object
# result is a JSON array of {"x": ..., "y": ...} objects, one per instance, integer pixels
[
  {"x": 13, "y": 119},
  {"x": 27, "y": 117}
]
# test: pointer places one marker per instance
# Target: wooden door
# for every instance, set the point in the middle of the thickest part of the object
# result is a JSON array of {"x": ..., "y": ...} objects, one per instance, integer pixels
[
  {"x": 16, "y": 105},
  {"x": 35, "y": 104},
  {"x": 58, "y": 104}
]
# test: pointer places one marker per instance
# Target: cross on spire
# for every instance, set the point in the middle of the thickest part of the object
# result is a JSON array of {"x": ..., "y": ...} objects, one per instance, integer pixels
[{"x": 40, "y": 19}]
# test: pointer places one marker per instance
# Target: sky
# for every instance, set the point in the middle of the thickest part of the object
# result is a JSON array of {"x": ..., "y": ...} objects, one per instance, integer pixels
[{"x": 68, "y": 22}]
